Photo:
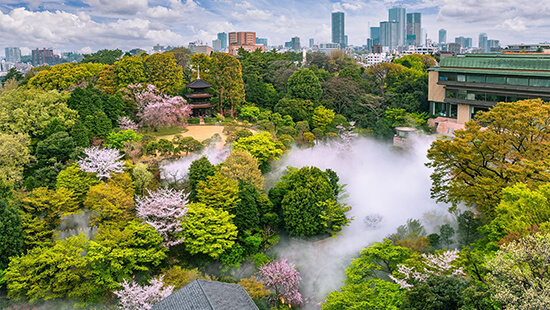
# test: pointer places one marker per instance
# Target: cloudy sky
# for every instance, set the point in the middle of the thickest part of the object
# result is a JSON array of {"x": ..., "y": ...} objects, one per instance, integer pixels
[{"x": 90, "y": 25}]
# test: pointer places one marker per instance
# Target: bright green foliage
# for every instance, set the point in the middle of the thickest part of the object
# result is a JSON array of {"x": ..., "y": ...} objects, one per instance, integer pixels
[
  {"x": 375, "y": 260},
  {"x": 333, "y": 216},
  {"x": 165, "y": 147},
  {"x": 14, "y": 155},
  {"x": 42, "y": 211},
  {"x": 218, "y": 192},
  {"x": 58, "y": 271},
  {"x": 199, "y": 170},
  {"x": 142, "y": 177},
  {"x": 302, "y": 195},
  {"x": 162, "y": 71},
  {"x": 63, "y": 76},
  {"x": 207, "y": 230},
  {"x": 400, "y": 117},
  {"x": 107, "y": 80},
  {"x": 105, "y": 56},
  {"x": 520, "y": 273},
  {"x": 479, "y": 162},
  {"x": 372, "y": 294},
  {"x": 299, "y": 110},
  {"x": 120, "y": 138},
  {"x": 130, "y": 70},
  {"x": 242, "y": 166},
  {"x": 304, "y": 84},
  {"x": 412, "y": 236},
  {"x": 118, "y": 253},
  {"x": 76, "y": 180},
  {"x": 111, "y": 202},
  {"x": 250, "y": 113},
  {"x": 322, "y": 117},
  {"x": 417, "y": 62},
  {"x": 179, "y": 277},
  {"x": 438, "y": 293},
  {"x": 11, "y": 233},
  {"x": 187, "y": 144},
  {"x": 262, "y": 146},
  {"x": 26, "y": 111}
]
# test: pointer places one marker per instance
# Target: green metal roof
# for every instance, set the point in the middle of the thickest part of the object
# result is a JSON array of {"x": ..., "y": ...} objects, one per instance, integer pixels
[
  {"x": 500, "y": 62},
  {"x": 495, "y": 72}
]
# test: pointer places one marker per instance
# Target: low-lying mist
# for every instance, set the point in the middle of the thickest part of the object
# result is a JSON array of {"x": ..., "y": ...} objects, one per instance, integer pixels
[{"x": 384, "y": 185}]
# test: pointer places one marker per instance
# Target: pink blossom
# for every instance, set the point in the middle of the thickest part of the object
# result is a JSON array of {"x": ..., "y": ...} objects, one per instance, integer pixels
[
  {"x": 163, "y": 210},
  {"x": 282, "y": 277},
  {"x": 102, "y": 162},
  {"x": 133, "y": 296},
  {"x": 125, "y": 123}
]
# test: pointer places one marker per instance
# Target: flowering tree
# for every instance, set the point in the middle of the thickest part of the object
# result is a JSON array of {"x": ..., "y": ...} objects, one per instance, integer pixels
[
  {"x": 439, "y": 264},
  {"x": 347, "y": 136},
  {"x": 156, "y": 109},
  {"x": 125, "y": 123},
  {"x": 282, "y": 277},
  {"x": 133, "y": 296},
  {"x": 102, "y": 162},
  {"x": 163, "y": 210}
]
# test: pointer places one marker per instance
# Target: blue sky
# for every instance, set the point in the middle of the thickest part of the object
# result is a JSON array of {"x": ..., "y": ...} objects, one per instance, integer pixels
[{"x": 89, "y": 25}]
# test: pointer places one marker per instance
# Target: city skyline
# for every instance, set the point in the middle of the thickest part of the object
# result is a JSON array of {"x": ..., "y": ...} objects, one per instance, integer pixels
[{"x": 90, "y": 25}]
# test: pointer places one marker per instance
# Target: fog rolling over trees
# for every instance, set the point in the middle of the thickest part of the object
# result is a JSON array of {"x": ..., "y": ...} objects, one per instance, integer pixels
[{"x": 385, "y": 185}]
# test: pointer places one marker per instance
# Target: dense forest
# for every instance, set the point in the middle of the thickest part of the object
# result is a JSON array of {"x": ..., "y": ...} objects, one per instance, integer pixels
[{"x": 89, "y": 220}]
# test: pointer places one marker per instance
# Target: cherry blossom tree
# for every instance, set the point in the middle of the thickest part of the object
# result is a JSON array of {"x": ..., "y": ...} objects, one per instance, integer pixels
[
  {"x": 125, "y": 123},
  {"x": 163, "y": 210},
  {"x": 439, "y": 264},
  {"x": 156, "y": 109},
  {"x": 346, "y": 137},
  {"x": 284, "y": 279},
  {"x": 133, "y": 296},
  {"x": 102, "y": 162}
]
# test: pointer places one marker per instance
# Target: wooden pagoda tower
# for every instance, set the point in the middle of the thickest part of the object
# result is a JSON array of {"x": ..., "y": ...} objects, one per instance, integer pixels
[{"x": 199, "y": 97}]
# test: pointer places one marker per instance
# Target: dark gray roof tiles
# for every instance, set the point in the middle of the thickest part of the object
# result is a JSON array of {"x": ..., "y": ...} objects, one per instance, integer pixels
[{"x": 207, "y": 295}]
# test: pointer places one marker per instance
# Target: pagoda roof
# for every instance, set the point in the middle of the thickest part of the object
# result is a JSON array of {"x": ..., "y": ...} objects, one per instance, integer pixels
[
  {"x": 198, "y": 83},
  {"x": 198, "y": 96}
]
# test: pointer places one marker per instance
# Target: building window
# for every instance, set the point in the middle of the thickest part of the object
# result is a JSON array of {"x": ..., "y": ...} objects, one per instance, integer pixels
[
  {"x": 475, "y": 78},
  {"x": 474, "y": 111},
  {"x": 539, "y": 82},
  {"x": 495, "y": 80},
  {"x": 439, "y": 109},
  {"x": 461, "y": 78},
  {"x": 451, "y": 93},
  {"x": 521, "y": 81}
]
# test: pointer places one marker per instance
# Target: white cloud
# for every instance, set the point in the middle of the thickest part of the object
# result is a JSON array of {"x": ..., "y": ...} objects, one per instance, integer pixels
[
  {"x": 123, "y": 7},
  {"x": 177, "y": 11},
  {"x": 86, "y": 50},
  {"x": 252, "y": 14},
  {"x": 516, "y": 24}
]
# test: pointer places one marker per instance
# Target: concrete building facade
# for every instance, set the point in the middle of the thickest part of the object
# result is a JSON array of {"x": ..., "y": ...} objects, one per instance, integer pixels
[
  {"x": 338, "y": 29},
  {"x": 414, "y": 29}
]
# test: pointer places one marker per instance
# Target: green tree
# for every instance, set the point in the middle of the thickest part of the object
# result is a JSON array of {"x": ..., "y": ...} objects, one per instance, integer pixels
[
  {"x": 111, "y": 202},
  {"x": 247, "y": 216},
  {"x": 438, "y": 293},
  {"x": 262, "y": 146},
  {"x": 142, "y": 177},
  {"x": 304, "y": 84},
  {"x": 207, "y": 230},
  {"x": 341, "y": 92},
  {"x": 11, "y": 233},
  {"x": 187, "y": 144},
  {"x": 372, "y": 294},
  {"x": 65, "y": 76},
  {"x": 52, "y": 272},
  {"x": 199, "y": 170},
  {"x": 478, "y": 163},
  {"x": 299, "y": 110},
  {"x": 13, "y": 74},
  {"x": 412, "y": 236},
  {"x": 218, "y": 192},
  {"x": 76, "y": 180},
  {"x": 130, "y": 70},
  {"x": 26, "y": 111},
  {"x": 242, "y": 166},
  {"x": 121, "y": 138},
  {"x": 519, "y": 273},
  {"x": 14, "y": 155},
  {"x": 104, "y": 56},
  {"x": 322, "y": 118},
  {"x": 162, "y": 71}
]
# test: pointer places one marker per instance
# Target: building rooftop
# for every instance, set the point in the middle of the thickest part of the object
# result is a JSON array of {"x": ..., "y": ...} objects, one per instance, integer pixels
[
  {"x": 198, "y": 84},
  {"x": 539, "y": 63},
  {"x": 207, "y": 295}
]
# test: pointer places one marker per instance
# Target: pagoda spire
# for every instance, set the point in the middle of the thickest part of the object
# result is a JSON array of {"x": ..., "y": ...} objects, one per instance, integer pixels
[{"x": 198, "y": 71}]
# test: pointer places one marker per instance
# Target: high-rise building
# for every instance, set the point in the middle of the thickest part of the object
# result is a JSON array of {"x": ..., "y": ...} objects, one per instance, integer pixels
[
  {"x": 295, "y": 43},
  {"x": 442, "y": 36},
  {"x": 461, "y": 40},
  {"x": 468, "y": 43},
  {"x": 262, "y": 41},
  {"x": 375, "y": 35},
  {"x": 245, "y": 40},
  {"x": 311, "y": 42},
  {"x": 493, "y": 45},
  {"x": 414, "y": 29},
  {"x": 217, "y": 45},
  {"x": 222, "y": 36},
  {"x": 338, "y": 29},
  {"x": 483, "y": 42},
  {"x": 13, "y": 54},
  {"x": 398, "y": 15},
  {"x": 44, "y": 56},
  {"x": 389, "y": 34}
]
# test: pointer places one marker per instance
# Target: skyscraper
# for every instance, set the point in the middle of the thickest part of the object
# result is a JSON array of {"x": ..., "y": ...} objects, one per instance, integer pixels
[
  {"x": 442, "y": 36},
  {"x": 375, "y": 35},
  {"x": 338, "y": 28},
  {"x": 398, "y": 15},
  {"x": 262, "y": 41},
  {"x": 389, "y": 34},
  {"x": 295, "y": 43},
  {"x": 468, "y": 43},
  {"x": 311, "y": 42},
  {"x": 222, "y": 36},
  {"x": 414, "y": 29},
  {"x": 483, "y": 42},
  {"x": 461, "y": 40},
  {"x": 13, "y": 54}
]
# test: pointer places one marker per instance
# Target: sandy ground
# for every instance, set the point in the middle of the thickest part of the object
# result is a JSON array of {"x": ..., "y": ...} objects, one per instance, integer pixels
[{"x": 199, "y": 132}]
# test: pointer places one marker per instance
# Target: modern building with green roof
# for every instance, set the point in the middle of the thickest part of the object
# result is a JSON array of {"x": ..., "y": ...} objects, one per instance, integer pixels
[{"x": 463, "y": 85}]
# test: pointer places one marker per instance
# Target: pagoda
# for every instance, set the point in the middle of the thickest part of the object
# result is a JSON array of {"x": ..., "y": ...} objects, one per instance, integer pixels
[{"x": 199, "y": 97}]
